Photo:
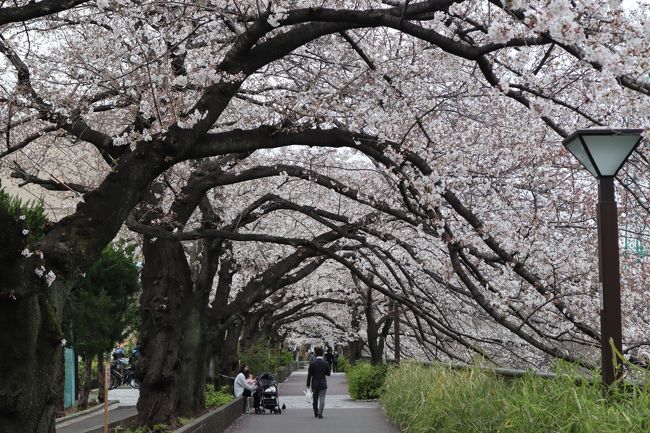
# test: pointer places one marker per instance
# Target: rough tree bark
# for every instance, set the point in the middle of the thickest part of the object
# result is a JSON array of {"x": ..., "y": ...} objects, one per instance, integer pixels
[
  {"x": 100, "y": 376},
  {"x": 193, "y": 358},
  {"x": 166, "y": 279},
  {"x": 86, "y": 378},
  {"x": 32, "y": 351},
  {"x": 356, "y": 345},
  {"x": 376, "y": 337},
  {"x": 227, "y": 354}
]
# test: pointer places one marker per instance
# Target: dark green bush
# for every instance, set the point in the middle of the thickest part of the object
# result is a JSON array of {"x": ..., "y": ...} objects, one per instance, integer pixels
[{"x": 365, "y": 381}]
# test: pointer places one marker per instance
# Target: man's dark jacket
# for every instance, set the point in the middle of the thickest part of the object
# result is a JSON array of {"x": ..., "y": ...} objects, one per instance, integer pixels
[{"x": 318, "y": 369}]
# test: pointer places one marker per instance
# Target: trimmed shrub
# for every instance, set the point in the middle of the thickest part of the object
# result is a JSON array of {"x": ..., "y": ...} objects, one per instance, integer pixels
[
  {"x": 365, "y": 381},
  {"x": 437, "y": 399}
]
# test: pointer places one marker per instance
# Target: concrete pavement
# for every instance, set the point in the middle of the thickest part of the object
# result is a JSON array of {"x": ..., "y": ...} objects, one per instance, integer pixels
[
  {"x": 342, "y": 414},
  {"x": 84, "y": 424},
  {"x": 127, "y": 398}
]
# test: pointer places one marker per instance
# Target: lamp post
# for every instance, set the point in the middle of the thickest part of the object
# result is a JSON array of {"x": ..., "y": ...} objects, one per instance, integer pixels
[{"x": 603, "y": 152}]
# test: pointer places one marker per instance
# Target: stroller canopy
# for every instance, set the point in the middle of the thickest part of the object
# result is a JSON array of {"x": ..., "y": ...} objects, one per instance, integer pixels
[{"x": 266, "y": 379}]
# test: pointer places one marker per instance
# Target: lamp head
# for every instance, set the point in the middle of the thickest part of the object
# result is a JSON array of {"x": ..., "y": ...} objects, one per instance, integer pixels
[{"x": 603, "y": 151}]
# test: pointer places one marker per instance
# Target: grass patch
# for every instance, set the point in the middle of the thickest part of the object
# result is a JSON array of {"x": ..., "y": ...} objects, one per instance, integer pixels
[
  {"x": 214, "y": 398},
  {"x": 184, "y": 420},
  {"x": 437, "y": 399},
  {"x": 157, "y": 428}
]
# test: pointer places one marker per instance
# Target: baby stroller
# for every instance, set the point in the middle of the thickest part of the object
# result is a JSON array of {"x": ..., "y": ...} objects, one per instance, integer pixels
[{"x": 267, "y": 387}]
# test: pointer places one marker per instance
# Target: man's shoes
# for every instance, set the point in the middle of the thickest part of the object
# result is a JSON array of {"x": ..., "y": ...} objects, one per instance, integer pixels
[
  {"x": 315, "y": 415},
  {"x": 320, "y": 416}
]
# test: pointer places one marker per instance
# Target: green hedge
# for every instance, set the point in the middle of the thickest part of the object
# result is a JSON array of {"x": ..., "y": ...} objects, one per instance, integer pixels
[
  {"x": 365, "y": 381},
  {"x": 437, "y": 399}
]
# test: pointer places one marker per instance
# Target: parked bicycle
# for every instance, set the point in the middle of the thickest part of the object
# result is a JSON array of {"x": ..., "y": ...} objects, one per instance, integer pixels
[{"x": 122, "y": 371}]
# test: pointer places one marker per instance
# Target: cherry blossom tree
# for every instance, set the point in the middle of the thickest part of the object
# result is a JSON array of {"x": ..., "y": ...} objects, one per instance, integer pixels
[{"x": 459, "y": 104}]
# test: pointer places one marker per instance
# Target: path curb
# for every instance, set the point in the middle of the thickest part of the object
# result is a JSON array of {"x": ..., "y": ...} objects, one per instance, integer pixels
[
  {"x": 111, "y": 405},
  {"x": 217, "y": 420}
]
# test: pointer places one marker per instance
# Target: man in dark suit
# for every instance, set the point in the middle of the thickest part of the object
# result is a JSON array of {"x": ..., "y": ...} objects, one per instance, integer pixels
[{"x": 318, "y": 369}]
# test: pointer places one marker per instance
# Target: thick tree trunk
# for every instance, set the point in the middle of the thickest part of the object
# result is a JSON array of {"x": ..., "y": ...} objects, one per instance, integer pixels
[
  {"x": 86, "y": 378},
  {"x": 375, "y": 346},
  {"x": 224, "y": 340},
  {"x": 225, "y": 344},
  {"x": 250, "y": 332},
  {"x": 30, "y": 338},
  {"x": 166, "y": 279},
  {"x": 30, "y": 364},
  {"x": 191, "y": 384},
  {"x": 356, "y": 348},
  {"x": 377, "y": 357}
]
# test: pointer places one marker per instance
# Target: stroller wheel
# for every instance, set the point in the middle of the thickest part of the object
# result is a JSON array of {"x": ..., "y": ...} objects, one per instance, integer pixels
[{"x": 279, "y": 411}]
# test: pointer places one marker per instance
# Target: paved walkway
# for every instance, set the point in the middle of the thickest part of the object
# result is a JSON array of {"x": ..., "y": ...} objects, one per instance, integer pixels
[
  {"x": 95, "y": 421},
  {"x": 127, "y": 398},
  {"x": 342, "y": 414}
]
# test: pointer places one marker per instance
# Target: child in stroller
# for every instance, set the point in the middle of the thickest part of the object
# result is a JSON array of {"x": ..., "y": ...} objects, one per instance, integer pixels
[{"x": 267, "y": 387}]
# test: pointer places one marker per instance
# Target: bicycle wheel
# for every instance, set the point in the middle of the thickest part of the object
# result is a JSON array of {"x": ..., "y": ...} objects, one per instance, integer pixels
[
  {"x": 115, "y": 381},
  {"x": 134, "y": 383},
  {"x": 100, "y": 393}
]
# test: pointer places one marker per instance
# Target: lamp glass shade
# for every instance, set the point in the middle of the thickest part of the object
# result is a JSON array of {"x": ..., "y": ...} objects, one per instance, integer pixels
[
  {"x": 577, "y": 149},
  {"x": 603, "y": 152}
]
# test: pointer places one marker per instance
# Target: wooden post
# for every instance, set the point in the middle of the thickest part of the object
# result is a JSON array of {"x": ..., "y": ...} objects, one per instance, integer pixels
[{"x": 107, "y": 378}]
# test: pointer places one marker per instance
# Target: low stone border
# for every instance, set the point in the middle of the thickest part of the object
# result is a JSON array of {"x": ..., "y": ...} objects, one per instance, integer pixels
[
  {"x": 118, "y": 426},
  {"x": 216, "y": 421}
]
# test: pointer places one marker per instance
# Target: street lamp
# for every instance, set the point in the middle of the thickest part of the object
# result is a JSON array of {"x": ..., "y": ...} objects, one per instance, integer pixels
[{"x": 603, "y": 152}]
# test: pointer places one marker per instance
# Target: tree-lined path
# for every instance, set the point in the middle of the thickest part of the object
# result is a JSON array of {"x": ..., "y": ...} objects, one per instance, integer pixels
[
  {"x": 323, "y": 168},
  {"x": 342, "y": 414}
]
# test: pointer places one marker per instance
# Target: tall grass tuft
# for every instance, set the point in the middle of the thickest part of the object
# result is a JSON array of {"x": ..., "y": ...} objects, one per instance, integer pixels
[{"x": 438, "y": 399}]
